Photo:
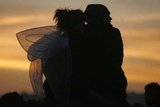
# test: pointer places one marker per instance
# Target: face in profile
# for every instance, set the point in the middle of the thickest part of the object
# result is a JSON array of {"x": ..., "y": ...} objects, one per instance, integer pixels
[
  {"x": 97, "y": 14},
  {"x": 76, "y": 19},
  {"x": 79, "y": 28},
  {"x": 108, "y": 18}
]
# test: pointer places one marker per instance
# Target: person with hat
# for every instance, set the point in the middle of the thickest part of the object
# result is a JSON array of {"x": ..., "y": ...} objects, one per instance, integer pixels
[{"x": 107, "y": 82}]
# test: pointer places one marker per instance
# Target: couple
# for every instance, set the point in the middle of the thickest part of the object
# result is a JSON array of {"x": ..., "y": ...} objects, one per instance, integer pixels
[{"x": 80, "y": 57}]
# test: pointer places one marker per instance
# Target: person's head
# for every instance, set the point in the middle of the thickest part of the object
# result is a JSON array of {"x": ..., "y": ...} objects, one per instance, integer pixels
[
  {"x": 67, "y": 20},
  {"x": 12, "y": 99},
  {"x": 152, "y": 94},
  {"x": 97, "y": 13}
]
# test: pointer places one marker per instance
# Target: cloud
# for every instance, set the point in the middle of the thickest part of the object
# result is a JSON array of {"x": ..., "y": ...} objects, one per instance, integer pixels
[
  {"x": 149, "y": 61},
  {"x": 17, "y": 64},
  {"x": 16, "y": 14},
  {"x": 141, "y": 67},
  {"x": 137, "y": 6},
  {"x": 15, "y": 20},
  {"x": 143, "y": 23},
  {"x": 7, "y": 9},
  {"x": 135, "y": 14},
  {"x": 24, "y": 19},
  {"x": 138, "y": 20}
]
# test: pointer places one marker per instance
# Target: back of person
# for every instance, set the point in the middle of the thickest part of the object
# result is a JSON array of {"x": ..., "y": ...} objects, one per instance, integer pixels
[
  {"x": 105, "y": 53},
  {"x": 104, "y": 50},
  {"x": 76, "y": 43},
  {"x": 72, "y": 25}
]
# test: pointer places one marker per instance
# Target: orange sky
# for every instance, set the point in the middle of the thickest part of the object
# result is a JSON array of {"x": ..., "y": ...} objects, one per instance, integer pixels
[{"x": 138, "y": 21}]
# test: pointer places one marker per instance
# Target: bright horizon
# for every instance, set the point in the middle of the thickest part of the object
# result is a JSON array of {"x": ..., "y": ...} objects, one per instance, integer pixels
[{"x": 138, "y": 21}]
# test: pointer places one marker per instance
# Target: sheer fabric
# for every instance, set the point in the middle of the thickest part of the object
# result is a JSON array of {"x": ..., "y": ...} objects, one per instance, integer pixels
[
  {"x": 36, "y": 77},
  {"x": 27, "y": 39},
  {"x": 41, "y": 44}
]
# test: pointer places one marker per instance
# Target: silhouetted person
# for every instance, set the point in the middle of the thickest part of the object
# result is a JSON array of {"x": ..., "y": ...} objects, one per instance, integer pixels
[
  {"x": 55, "y": 52},
  {"x": 104, "y": 48},
  {"x": 76, "y": 43},
  {"x": 71, "y": 22},
  {"x": 12, "y": 99},
  {"x": 152, "y": 94}
]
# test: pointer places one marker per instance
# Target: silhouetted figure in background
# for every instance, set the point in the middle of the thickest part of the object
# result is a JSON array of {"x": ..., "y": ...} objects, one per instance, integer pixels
[
  {"x": 12, "y": 99},
  {"x": 152, "y": 94},
  {"x": 104, "y": 48}
]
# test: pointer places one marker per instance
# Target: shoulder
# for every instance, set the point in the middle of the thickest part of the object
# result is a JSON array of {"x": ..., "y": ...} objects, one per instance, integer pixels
[
  {"x": 116, "y": 30},
  {"x": 53, "y": 35}
]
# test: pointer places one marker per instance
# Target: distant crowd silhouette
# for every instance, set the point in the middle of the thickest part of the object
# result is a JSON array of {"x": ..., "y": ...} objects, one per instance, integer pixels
[
  {"x": 14, "y": 99},
  {"x": 80, "y": 57},
  {"x": 152, "y": 95}
]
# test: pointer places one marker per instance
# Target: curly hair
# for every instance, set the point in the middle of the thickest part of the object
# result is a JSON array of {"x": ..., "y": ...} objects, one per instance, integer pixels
[{"x": 66, "y": 19}]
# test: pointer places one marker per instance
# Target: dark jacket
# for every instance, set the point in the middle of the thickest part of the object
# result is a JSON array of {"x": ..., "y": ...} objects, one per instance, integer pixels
[{"x": 104, "y": 49}]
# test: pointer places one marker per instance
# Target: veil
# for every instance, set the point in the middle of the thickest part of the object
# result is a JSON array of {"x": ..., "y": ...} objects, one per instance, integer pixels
[
  {"x": 32, "y": 42},
  {"x": 41, "y": 44},
  {"x": 28, "y": 37}
]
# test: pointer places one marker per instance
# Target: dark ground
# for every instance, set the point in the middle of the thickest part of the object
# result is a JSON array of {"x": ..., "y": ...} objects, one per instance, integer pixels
[{"x": 14, "y": 99}]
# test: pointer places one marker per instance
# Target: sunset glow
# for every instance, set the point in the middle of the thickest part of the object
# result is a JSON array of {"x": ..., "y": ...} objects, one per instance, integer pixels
[
  {"x": 14, "y": 64},
  {"x": 138, "y": 21}
]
